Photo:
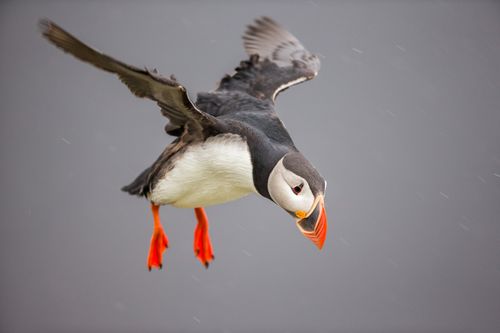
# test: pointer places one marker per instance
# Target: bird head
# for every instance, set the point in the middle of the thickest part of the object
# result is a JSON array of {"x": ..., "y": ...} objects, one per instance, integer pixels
[{"x": 297, "y": 187}]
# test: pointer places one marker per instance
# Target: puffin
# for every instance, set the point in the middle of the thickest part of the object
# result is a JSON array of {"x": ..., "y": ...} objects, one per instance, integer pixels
[{"x": 229, "y": 143}]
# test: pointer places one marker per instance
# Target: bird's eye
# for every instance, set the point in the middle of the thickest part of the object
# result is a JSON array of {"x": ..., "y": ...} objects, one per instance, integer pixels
[{"x": 297, "y": 189}]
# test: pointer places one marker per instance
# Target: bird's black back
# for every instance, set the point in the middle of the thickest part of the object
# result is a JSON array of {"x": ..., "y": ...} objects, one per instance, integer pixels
[{"x": 254, "y": 120}]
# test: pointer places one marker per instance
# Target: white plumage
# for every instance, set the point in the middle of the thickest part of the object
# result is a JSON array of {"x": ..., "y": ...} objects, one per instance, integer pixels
[{"x": 209, "y": 173}]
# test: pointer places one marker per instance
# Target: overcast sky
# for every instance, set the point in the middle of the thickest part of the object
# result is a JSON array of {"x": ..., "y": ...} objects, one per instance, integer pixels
[{"x": 403, "y": 121}]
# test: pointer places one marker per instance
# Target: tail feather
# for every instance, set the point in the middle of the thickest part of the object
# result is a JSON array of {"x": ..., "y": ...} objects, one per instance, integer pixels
[{"x": 140, "y": 185}]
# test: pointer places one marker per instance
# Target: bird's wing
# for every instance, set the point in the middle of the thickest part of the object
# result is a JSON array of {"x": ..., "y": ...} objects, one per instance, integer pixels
[
  {"x": 167, "y": 92},
  {"x": 277, "y": 61}
]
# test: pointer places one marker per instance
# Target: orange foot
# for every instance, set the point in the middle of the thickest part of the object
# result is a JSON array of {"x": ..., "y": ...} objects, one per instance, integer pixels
[
  {"x": 159, "y": 241},
  {"x": 202, "y": 244}
]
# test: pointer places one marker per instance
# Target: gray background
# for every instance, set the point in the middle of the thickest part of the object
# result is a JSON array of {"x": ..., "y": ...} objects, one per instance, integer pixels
[{"x": 403, "y": 121}]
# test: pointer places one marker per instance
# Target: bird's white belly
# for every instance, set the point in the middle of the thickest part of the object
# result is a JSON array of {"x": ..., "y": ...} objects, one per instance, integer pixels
[{"x": 209, "y": 173}]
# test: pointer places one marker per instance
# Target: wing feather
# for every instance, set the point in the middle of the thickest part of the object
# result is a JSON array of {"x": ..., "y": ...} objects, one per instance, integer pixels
[
  {"x": 168, "y": 93},
  {"x": 277, "y": 61}
]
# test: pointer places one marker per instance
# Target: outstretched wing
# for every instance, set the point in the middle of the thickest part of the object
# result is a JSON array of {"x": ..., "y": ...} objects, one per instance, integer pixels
[
  {"x": 277, "y": 61},
  {"x": 167, "y": 92}
]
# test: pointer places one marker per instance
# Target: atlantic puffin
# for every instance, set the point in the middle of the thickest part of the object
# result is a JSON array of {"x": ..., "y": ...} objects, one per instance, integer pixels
[{"x": 229, "y": 143}]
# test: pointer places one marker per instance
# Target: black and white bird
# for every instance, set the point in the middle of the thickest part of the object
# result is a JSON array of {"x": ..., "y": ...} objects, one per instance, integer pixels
[{"x": 229, "y": 143}]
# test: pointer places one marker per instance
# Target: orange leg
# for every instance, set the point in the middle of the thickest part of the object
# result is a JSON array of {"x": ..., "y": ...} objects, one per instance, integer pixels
[
  {"x": 202, "y": 245},
  {"x": 159, "y": 241}
]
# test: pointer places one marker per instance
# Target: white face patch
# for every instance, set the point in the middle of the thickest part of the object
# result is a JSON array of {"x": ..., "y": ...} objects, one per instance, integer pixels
[{"x": 281, "y": 184}]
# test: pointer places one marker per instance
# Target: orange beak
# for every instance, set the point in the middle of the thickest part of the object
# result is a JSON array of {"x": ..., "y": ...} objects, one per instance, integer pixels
[{"x": 314, "y": 226}]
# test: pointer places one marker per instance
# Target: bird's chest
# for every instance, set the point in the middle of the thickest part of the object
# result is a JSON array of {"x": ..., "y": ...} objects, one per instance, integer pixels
[{"x": 213, "y": 172}]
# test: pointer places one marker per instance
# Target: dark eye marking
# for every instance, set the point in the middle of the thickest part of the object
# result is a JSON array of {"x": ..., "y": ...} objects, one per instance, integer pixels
[{"x": 297, "y": 189}]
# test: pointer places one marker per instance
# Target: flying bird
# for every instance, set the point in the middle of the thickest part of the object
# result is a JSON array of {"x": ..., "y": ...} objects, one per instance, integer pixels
[{"x": 229, "y": 143}]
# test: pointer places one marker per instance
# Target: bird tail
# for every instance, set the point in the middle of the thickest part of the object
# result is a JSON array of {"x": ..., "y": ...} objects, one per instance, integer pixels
[{"x": 140, "y": 185}]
